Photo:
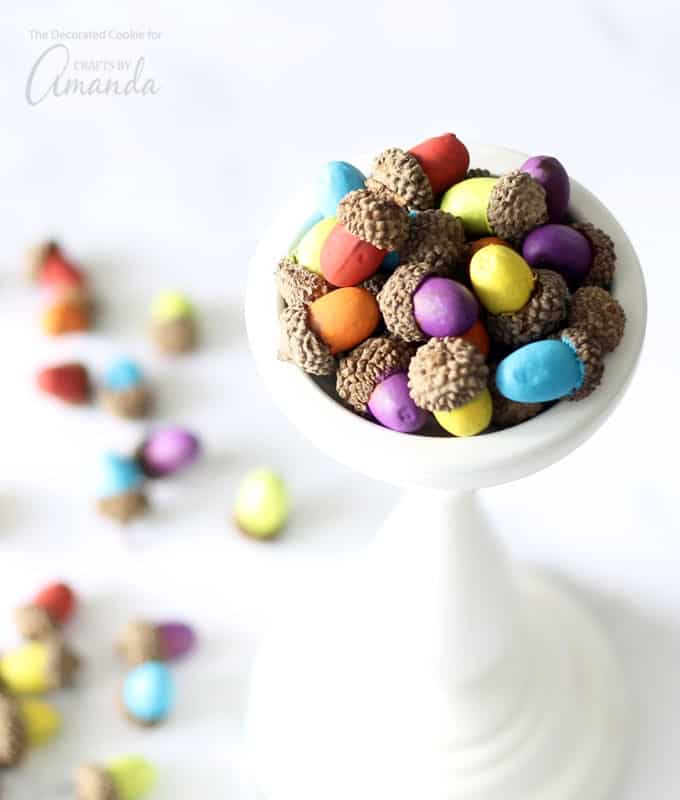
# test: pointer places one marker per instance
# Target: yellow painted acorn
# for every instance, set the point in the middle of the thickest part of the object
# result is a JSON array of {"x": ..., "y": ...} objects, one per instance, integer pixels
[
  {"x": 123, "y": 778},
  {"x": 38, "y": 666},
  {"x": 24, "y": 723},
  {"x": 501, "y": 278},
  {"x": 469, "y": 419}
]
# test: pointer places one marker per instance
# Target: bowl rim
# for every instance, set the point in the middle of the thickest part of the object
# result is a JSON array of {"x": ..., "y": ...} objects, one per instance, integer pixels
[{"x": 428, "y": 461}]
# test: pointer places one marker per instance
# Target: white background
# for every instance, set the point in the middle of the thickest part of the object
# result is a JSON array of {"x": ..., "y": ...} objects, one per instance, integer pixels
[{"x": 173, "y": 190}]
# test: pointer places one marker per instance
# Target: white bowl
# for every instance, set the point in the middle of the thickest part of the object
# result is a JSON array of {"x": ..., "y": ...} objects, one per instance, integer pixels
[{"x": 442, "y": 463}]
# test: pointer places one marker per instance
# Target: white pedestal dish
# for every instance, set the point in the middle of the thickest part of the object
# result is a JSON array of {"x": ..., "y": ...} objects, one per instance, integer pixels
[{"x": 430, "y": 669}]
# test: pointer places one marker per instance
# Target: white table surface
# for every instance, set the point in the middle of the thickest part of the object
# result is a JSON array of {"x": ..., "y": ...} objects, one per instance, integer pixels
[{"x": 172, "y": 190}]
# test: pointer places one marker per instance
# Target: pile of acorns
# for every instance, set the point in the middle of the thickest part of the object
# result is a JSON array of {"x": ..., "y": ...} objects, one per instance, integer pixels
[
  {"x": 432, "y": 290},
  {"x": 44, "y": 663}
]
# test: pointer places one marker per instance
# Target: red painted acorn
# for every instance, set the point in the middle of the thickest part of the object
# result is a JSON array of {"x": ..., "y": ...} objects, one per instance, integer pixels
[
  {"x": 68, "y": 382},
  {"x": 58, "y": 599},
  {"x": 57, "y": 271},
  {"x": 347, "y": 260},
  {"x": 444, "y": 159}
]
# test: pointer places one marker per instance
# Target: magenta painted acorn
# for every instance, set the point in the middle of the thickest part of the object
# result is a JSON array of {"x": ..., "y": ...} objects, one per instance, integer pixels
[
  {"x": 560, "y": 248},
  {"x": 142, "y": 641},
  {"x": 553, "y": 177},
  {"x": 444, "y": 307},
  {"x": 392, "y": 405},
  {"x": 177, "y": 638},
  {"x": 168, "y": 450}
]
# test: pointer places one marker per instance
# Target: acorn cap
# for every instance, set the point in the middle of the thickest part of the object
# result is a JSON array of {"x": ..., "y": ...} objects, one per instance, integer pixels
[
  {"x": 92, "y": 782},
  {"x": 589, "y": 353},
  {"x": 363, "y": 368},
  {"x": 13, "y": 736},
  {"x": 508, "y": 413},
  {"x": 132, "y": 403},
  {"x": 375, "y": 283},
  {"x": 124, "y": 507},
  {"x": 374, "y": 218},
  {"x": 139, "y": 642},
  {"x": 34, "y": 622},
  {"x": 540, "y": 316},
  {"x": 62, "y": 664},
  {"x": 175, "y": 336},
  {"x": 604, "y": 255},
  {"x": 396, "y": 300},
  {"x": 517, "y": 204},
  {"x": 477, "y": 172},
  {"x": 446, "y": 373},
  {"x": 595, "y": 310},
  {"x": 296, "y": 284},
  {"x": 435, "y": 238},
  {"x": 400, "y": 175},
  {"x": 301, "y": 345}
]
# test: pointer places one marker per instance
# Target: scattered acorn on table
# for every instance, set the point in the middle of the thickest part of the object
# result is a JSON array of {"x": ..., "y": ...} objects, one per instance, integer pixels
[
  {"x": 174, "y": 328},
  {"x": 47, "y": 612},
  {"x": 121, "y": 495},
  {"x": 148, "y": 693},
  {"x": 142, "y": 641},
  {"x": 436, "y": 291},
  {"x": 124, "y": 778},
  {"x": 125, "y": 392},
  {"x": 25, "y": 722},
  {"x": 38, "y": 667}
]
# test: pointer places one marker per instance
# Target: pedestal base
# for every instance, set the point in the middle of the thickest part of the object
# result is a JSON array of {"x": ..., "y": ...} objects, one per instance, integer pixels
[{"x": 335, "y": 714}]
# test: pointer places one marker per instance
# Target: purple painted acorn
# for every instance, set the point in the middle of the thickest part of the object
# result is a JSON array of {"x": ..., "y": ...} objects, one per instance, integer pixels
[
  {"x": 143, "y": 641},
  {"x": 560, "y": 248},
  {"x": 167, "y": 450},
  {"x": 444, "y": 307},
  {"x": 554, "y": 179},
  {"x": 392, "y": 406}
]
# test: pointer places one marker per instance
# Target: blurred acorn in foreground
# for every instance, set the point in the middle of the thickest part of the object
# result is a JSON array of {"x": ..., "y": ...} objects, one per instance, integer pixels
[
  {"x": 124, "y": 392},
  {"x": 51, "y": 608},
  {"x": 143, "y": 641},
  {"x": 122, "y": 496},
  {"x": 262, "y": 504},
  {"x": 24, "y": 723},
  {"x": 173, "y": 323},
  {"x": 148, "y": 693},
  {"x": 39, "y": 666},
  {"x": 124, "y": 778}
]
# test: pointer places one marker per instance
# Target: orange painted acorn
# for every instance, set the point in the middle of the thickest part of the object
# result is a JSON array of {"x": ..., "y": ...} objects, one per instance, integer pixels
[
  {"x": 66, "y": 315},
  {"x": 344, "y": 318}
]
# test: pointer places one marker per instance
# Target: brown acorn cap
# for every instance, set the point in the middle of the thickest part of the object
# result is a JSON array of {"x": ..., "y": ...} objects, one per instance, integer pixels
[
  {"x": 516, "y": 205},
  {"x": 540, "y": 316},
  {"x": 446, "y": 373},
  {"x": 33, "y": 622},
  {"x": 396, "y": 300},
  {"x": 296, "y": 284},
  {"x": 508, "y": 413},
  {"x": 124, "y": 507},
  {"x": 363, "y": 368},
  {"x": 13, "y": 736},
  {"x": 62, "y": 664},
  {"x": 375, "y": 218},
  {"x": 93, "y": 782},
  {"x": 375, "y": 283},
  {"x": 589, "y": 353},
  {"x": 139, "y": 642},
  {"x": 604, "y": 255},
  {"x": 477, "y": 172},
  {"x": 175, "y": 336},
  {"x": 133, "y": 403},
  {"x": 301, "y": 345},
  {"x": 595, "y": 310},
  {"x": 400, "y": 175},
  {"x": 435, "y": 238}
]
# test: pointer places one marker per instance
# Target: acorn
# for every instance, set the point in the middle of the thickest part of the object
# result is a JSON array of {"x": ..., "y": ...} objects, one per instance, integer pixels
[
  {"x": 508, "y": 207},
  {"x": 124, "y": 392},
  {"x": 604, "y": 255},
  {"x": 589, "y": 354},
  {"x": 538, "y": 318},
  {"x": 123, "y": 778},
  {"x": 364, "y": 367},
  {"x": 447, "y": 373},
  {"x": 51, "y": 608},
  {"x": 301, "y": 345},
  {"x": 24, "y": 722},
  {"x": 121, "y": 495},
  {"x": 298, "y": 285},
  {"x": 143, "y": 641},
  {"x": 398, "y": 174},
  {"x": 173, "y": 324},
  {"x": 38, "y": 667},
  {"x": 396, "y": 300},
  {"x": 374, "y": 218},
  {"x": 262, "y": 504},
  {"x": 478, "y": 172},
  {"x": 508, "y": 413},
  {"x": 595, "y": 310},
  {"x": 67, "y": 382},
  {"x": 66, "y": 314},
  {"x": 435, "y": 238},
  {"x": 37, "y": 255},
  {"x": 147, "y": 694}
]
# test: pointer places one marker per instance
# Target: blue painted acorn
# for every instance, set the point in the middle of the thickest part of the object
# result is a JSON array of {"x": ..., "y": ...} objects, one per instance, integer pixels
[
  {"x": 125, "y": 393},
  {"x": 568, "y": 366},
  {"x": 148, "y": 693},
  {"x": 337, "y": 179},
  {"x": 121, "y": 494}
]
